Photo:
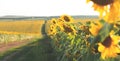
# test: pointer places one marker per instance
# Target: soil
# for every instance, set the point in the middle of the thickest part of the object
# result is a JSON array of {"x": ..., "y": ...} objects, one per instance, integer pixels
[{"x": 5, "y": 47}]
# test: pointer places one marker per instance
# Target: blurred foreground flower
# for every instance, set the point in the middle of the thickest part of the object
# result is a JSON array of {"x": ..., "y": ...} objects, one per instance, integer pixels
[
  {"x": 110, "y": 8},
  {"x": 109, "y": 47}
]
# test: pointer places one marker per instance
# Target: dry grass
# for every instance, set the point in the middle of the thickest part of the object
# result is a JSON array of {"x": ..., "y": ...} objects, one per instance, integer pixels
[{"x": 21, "y": 27}]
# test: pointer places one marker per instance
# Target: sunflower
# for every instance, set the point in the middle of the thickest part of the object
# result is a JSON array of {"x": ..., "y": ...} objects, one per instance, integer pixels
[
  {"x": 110, "y": 9},
  {"x": 52, "y": 30},
  {"x": 67, "y": 18},
  {"x": 54, "y": 21},
  {"x": 95, "y": 27},
  {"x": 103, "y": 2},
  {"x": 69, "y": 29},
  {"x": 109, "y": 47}
]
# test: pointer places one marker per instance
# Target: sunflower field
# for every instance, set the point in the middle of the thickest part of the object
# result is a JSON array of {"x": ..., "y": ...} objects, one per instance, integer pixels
[{"x": 89, "y": 41}]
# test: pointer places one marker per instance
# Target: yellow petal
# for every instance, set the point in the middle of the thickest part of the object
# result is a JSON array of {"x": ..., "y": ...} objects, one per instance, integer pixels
[
  {"x": 115, "y": 39},
  {"x": 87, "y": 1},
  {"x": 101, "y": 47},
  {"x": 103, "y": 55}
]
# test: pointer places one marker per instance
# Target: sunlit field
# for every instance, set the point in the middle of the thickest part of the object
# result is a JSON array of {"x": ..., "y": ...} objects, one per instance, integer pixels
[
  {"x": 65, "y": 37},
  {"x": 21, "y": 27},
  {"x": 24, "y": 31}
]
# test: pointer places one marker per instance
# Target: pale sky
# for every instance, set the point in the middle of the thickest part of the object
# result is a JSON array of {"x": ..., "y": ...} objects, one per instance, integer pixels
[{"x": 45, "y": 7}]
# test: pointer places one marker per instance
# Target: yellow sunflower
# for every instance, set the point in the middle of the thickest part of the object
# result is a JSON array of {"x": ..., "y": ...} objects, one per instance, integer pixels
[
  {"x": 95, "y": 28},
  {"x": 54, "y": 21},
  {"x": 109, "y": 47},
  {"x": 52, "y": 30},
  {"x": 110, "y": 9},
  {"x": 67, "y": 18}
]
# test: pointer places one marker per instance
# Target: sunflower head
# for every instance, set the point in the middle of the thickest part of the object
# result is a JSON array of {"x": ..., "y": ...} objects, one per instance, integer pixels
[
  {"x": 69, "y": 29},
  {"x": 107, "y": 42},
  {"x": 103, "y": 2},
  {"x": 54, "y": 21},
  {"x": 67, "y": 18},
  {"x": 52, "y": 30},
  {"x": 52, "y": 27},
  {"x": 109, "y": 47}
]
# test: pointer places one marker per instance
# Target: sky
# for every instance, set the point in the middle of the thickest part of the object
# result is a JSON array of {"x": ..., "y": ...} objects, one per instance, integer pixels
[{"x": 45, "y": 7}]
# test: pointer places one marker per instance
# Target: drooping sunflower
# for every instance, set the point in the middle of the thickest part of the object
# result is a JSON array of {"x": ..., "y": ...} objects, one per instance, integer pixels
[
  {"x": 109, "y": 47},
  {"x": 95, "y": 28},
  {"x": 69, "y": 29},
  {"x": 110, "y": 9}
]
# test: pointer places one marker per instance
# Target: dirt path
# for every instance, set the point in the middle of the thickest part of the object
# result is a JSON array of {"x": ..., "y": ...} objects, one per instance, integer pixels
[
  {"x": 40, "y": 50},
  {"x": 5, "y": 47}
]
